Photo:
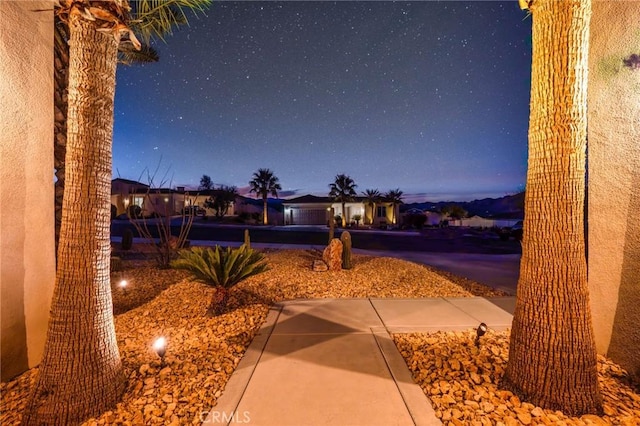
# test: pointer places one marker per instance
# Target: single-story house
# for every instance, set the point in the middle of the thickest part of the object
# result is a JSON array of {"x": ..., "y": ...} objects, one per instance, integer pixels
[
  {"x": 160, "y": 201},
  {"x": 314, "y": 210},
  {"x": 481, "y": 222},
  {"x": 472, "y": 222},
  {"x": 122, "y": 191},
  {"x": 168, "y": 201}
]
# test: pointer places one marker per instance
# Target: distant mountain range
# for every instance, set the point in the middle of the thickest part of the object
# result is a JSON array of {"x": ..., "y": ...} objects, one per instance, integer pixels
[{"x": 508, "y": 207}]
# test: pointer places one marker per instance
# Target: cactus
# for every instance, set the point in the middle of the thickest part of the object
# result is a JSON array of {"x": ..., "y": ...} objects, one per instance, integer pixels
[
  {"x": 127, "y": 239},
  {"x": 345, "y": 238},
  {"x": 247, "y": 241}
]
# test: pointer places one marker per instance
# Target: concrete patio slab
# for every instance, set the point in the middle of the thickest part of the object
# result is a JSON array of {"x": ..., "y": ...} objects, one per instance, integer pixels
[
  {"x": 327, "y": 316},
  {"x": 323, "y": 379},
  {"x": 421, "y": 315},
  {"x": 507, "y": 304},
  {"x": 483, "y": 311}
]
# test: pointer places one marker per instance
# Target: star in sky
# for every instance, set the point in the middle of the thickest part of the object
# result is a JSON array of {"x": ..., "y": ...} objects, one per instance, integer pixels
[{"x": 428, "y": 97}]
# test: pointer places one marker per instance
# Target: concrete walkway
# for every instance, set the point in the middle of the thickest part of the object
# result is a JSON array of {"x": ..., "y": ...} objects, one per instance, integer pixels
[{"x": 333, "y": 362}]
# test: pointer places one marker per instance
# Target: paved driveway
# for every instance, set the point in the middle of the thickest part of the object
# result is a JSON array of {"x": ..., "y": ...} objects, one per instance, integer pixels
[{"x": 499, "y": 271}]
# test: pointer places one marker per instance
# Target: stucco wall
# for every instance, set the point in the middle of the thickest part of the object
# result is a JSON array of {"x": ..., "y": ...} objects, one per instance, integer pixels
[
  {"x": 614, "y": 181},
  {"x": 27, "y": 254}
]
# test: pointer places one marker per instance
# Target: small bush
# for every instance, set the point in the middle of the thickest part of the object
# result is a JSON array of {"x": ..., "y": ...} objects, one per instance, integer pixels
[
  {"x": 220, "y": 268},
  {"x": 134, "y": 211},
  {"x": 127, "y": 239},
  {"x": 416, "y": 221}
]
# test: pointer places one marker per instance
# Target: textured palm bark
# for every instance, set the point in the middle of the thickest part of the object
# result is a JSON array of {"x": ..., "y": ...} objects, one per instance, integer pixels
[
  {"x": 61, "y": 72},
  {"x": 552, "y": 355},
  {"x": 81, "y": 373},
  {"x": 219, "y": 302}
]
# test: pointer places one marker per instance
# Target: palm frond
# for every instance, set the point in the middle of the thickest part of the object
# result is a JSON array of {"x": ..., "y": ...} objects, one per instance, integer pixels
[
  {"x": 128, "y": 54},
  {"x": 153, "y": 19}
]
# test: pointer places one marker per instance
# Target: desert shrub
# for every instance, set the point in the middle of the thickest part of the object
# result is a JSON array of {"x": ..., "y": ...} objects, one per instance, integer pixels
[
  {"x": 414, "y": 220},
  {"x": 134, "y": 211},
  {"x": 127, "y": 239},
  {"x": 220, "y": 268},
  {"x": 419, "y": 220}
]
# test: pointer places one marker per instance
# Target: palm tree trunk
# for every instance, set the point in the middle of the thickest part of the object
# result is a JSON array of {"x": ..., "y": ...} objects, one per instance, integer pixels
[
  {"x": 373, "y": 212},
  {"x": 344, "y": 215},
  {"x": 265, "y": 207},
  {"x": 219, "y": 301},
  {"x": 81, "y": 374},
  {"x": 552, "y": 356}
]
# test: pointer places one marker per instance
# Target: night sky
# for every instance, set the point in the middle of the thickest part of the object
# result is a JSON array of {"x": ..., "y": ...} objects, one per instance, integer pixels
[{"x": 428, "y": 97}]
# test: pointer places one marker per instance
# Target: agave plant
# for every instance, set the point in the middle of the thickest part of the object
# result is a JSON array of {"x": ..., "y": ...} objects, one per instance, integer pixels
[{"x": 220, "y": 268}]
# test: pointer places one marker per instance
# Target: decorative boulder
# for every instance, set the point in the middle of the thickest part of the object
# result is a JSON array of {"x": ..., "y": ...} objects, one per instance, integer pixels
[{"x": 332, "y": 255}]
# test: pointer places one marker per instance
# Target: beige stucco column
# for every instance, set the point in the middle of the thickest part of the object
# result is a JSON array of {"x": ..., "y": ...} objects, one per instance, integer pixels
[
  {"x": 27, "y": 254},
  {"x": 614, "y": 180}
]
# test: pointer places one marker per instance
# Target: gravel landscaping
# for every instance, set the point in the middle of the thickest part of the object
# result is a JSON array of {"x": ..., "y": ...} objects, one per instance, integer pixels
[
  {"x": 462, "y": 383},
  {"x": 203, "y": 351}
]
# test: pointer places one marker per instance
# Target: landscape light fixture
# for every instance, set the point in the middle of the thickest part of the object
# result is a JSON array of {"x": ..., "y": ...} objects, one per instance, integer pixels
[
  {"x": 480, "y": 331},
  {"x": 160, "y": 346}
]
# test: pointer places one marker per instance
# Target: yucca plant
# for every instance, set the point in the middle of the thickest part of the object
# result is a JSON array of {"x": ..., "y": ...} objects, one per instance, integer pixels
[{"x": 220, "y": 268}]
